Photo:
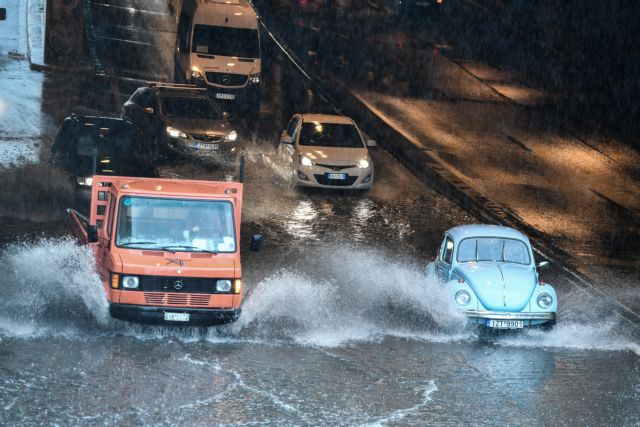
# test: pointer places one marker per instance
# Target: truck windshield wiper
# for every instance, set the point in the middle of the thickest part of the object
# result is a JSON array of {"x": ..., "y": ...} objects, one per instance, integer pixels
[
  {"x": 168, "y": 248},
  {"x": 138, "y": 243}
]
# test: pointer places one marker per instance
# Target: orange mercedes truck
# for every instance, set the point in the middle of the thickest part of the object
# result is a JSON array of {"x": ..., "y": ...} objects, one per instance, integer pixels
[{"x": 167, "y": 250}]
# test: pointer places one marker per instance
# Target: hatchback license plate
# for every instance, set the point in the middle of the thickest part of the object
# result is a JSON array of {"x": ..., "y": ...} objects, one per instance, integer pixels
[
  {"x": 505, "y": 324},
  {"x": 336, "y": 176},
  {"x": 229, "y": 96},
  {"x": 176, "y": 317}
]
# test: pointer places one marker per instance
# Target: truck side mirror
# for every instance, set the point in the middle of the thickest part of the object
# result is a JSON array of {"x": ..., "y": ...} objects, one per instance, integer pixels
[
  {"x": 256, "y": 243},
  {"x": 92, "y": 233},
  {"x": 3, "y": 14}
]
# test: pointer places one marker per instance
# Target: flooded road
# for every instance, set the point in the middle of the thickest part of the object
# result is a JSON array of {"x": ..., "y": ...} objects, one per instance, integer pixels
[{"x": 343, "y": 322}]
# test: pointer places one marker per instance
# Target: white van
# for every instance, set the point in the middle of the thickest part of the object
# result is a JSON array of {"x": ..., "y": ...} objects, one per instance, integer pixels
[{"x": 218, "y": 46}]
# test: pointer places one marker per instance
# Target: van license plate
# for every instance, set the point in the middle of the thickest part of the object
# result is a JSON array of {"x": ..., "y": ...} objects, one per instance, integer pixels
[
  {"x": 505, "y": 324},
  {"x": 229, "y": 96},
  {"x": 176, "y": 317},
  {"x": 336, "y": 176}
]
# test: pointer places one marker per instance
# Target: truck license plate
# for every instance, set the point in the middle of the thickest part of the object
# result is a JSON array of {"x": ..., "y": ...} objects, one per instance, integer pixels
[
  {"x": 336, "y": 176},
  {"x": 176, "y": 317},
  {"x": 229, "y": 96},
  {"x": 505, "y": 324}
]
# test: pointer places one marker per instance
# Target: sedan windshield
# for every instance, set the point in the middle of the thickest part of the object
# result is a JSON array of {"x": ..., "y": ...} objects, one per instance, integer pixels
[
  {"x": 225, "y": 41},
  {"x": 175, "y": 225},
  {"x": 493, "y": 249},
  {"x": 193, "y": 108},
  {"x": 316, "y": 134}
]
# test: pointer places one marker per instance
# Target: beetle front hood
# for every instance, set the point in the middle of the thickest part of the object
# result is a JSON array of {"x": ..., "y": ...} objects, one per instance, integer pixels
[{"x": 499, "y": 286}]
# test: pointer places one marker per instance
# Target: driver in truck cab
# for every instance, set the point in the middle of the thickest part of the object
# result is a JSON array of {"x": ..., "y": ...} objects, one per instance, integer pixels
[{"x": 167, "y": 250}]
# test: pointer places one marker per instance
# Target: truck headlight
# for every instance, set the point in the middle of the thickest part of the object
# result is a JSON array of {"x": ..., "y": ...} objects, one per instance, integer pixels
[
  {"x": 223, "y": 285},
  {"x": 463, "y": 298},
  {"x": 363, "y": 164},
  {"x": 305, "y": 161},
  {"x": 175, "y": 133},
  {"x": 130, "y": 282},
  {"x": 254, "y": 78},
  {"x": 231, "y": 136},
  {"x": 545, "y": 300}
]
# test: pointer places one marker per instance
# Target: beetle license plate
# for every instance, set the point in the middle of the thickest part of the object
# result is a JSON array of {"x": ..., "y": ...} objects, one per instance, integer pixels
[
  {"x": 505, "y": 324},
  {"x": 229, "y": 96},
  {"x": 176, "y": 317},
  {"x": 340, "y": 176}
]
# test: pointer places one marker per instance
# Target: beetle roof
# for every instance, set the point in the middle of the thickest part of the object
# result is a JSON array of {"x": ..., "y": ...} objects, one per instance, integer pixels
[{"x": 485, "y": 230}]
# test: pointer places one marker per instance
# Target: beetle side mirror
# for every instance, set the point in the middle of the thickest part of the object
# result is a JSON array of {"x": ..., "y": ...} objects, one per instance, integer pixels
[
  {"x": 543, "y": 264},
  {"x": 256, "y": 243},
  {"x": 371, "y": 143},
  {"x": 148, "y": 110},
  {"x": 92, "y": 233},
  {"x": 285, "y": 138}
]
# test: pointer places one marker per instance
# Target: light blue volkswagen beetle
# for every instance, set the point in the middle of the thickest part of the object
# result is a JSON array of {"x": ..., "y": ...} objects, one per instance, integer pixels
[{"x": 490, "y": 273}]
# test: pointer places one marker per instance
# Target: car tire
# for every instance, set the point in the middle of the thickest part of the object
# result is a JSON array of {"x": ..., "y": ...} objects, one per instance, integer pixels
[
  {"x": 546, "y": 327},
  {"x": 178, "y": 77}
]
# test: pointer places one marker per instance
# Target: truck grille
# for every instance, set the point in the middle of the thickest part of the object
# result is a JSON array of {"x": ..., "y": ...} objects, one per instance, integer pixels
[
  {"x": 226, "y": 79},
  {"x": 177, "y": 284},
  {"x": 162, "y": 298},
  {"x": 323, "y": 180}
]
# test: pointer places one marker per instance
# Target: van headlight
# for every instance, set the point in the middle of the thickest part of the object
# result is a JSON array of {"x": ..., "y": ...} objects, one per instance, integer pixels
[
  {"x": 175, "y": 133},
  {"x": 85, "y": 181},
  {"x": 223, "y": 285},
  {"x": 545, "y": 300},
  {"x": 305, "y": 161},
  {"x": 463, "y": 298},
  {"x": 130, "y": 282},
  {"x": 254, "y": 78},
  {"x": 231, "y": 136},
  {"x": 363, "y": 163}
]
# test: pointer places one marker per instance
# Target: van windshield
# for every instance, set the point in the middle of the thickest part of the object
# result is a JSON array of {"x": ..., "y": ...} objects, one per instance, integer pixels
[
  {"x": 175, "y": 225},
  {"x": 225, "y": 41}
]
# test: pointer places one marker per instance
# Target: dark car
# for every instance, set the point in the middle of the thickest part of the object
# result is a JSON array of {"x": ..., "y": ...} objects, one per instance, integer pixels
[
  {"x": 182, "y": 118},
  {"x": 90, "y": 145}
]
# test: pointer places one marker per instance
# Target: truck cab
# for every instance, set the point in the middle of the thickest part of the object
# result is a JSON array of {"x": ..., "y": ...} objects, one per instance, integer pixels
[
  {"x": 218, "y": 46},
  {"x": 167, "y": 251}
]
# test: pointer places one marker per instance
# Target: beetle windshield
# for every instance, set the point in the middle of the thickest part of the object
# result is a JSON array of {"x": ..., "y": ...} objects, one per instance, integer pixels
[
  {"x": 176, "y": 225},
  {"x": 493, "y": 249},
  {"x": 318, "y": 134}
]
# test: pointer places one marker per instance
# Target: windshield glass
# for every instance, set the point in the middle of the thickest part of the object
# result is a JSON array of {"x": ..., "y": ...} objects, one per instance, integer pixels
[
  {"x": 318, "y": 134},
  {"x": 493, "y": 249},
  {"x": 177, "y": 225},
  {"x": 193, "y": 108},
  {"x": 225, "y": 41}
]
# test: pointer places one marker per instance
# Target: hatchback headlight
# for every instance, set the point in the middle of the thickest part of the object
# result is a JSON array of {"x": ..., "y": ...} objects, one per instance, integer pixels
[
  {"x": 545, "y": 300},
  {"x": 305, "y": 161},
  {"x": 254, "y": 78},
  {"x": 130, "y": 282},
  {"x": 363, "y": 164},
  {"x": 175, "y": 133},
  {"x": 223, "y": 285},
  {"x": 463, "y": 298},
  {"x": 231, "y": 136}
]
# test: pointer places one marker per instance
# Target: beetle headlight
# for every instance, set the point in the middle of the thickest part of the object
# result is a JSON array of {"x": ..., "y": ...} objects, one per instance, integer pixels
[
  {"x": 130, "y": 282},
  {"x": 231, "y": 136},
  {"x": 545, "y": 300},
  {"x": 305, "y": 161},
  {"x": 223, "y": 285},
  {"x": 463, "y": 298},
  {"x": 175, "y": 133},
  {"x": 363, "y": 164}
]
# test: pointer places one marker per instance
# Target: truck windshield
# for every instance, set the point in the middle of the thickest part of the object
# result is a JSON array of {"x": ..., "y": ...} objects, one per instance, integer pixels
[
  {"x": 318, "y": 134},
  {"x": 226, "y": 41},
  {"x": 493, "y": 249},
  {"x": 194, "y": 108},
  {"x": 176, "y": 225}
]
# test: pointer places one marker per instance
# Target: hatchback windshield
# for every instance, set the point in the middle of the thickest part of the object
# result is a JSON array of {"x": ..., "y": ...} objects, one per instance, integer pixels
[
  {"x": 225, "y": 41},
  {"x": 194, "y": 108},
  {"x": 175, "y": 225},
  {"x": 493, "y": 249},
  {"x": 318, "y": 134}
]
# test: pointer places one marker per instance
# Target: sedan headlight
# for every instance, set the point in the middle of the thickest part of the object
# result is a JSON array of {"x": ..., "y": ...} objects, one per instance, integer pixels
[
  {"x": 175, "y": 133},
  {"x": 254, "y": 78},
  {"x": 231, "y": 136},
  {"x": 363, "y": 164},
  {"x": 130, "y": 282},
  {"x": 463, "y": 298},
  {"x": 305, "y": 161},
  {"x": 223, "y": 285},
  {"x": 545, "y": 300}
]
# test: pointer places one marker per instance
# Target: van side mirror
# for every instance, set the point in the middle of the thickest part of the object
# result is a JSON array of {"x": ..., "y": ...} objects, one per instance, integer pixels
[
  {"x": 148, "y": 110},
  {"x": 256, "y": 243},
  {"x": 543, "y": 264},
  {"x": 92, "y": 233},
  {"x": 3, "y": 14},
  {"x": 285, "y": 138},
  {"x": 371, "y": 143}
]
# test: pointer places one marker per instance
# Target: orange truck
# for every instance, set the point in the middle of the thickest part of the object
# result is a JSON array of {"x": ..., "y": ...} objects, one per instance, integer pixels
[{"x": 168, "y": 251}]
